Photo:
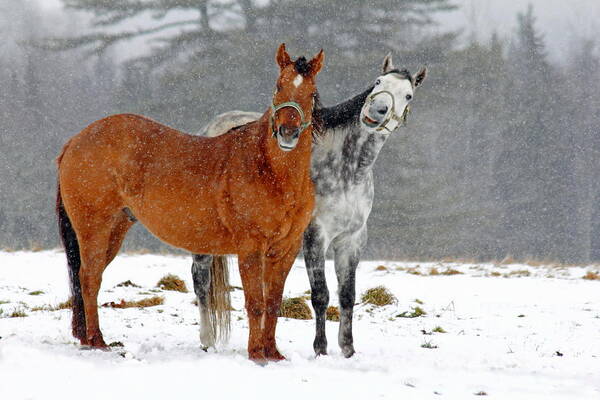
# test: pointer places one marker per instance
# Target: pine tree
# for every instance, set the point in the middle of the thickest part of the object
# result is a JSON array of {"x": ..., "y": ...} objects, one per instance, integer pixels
[
  {"x": 534, "y": 169},
  {"x": 583, "y": 114}
]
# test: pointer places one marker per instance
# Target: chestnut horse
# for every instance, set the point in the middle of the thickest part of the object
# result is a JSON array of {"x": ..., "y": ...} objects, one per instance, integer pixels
[{"x": 247, "y": 193}]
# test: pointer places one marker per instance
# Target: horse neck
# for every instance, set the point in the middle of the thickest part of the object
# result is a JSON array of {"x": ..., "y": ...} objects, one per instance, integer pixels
[
  {"x": 351, "y": 150},
  {"x": 360, "y": 151},
  {"x": 289, "y": 168}
]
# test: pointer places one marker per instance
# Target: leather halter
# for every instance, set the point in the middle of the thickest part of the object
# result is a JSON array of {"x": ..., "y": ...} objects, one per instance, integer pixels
[
  {"x": 295, "y": 106},
  {"x": 391, "y": 120}
]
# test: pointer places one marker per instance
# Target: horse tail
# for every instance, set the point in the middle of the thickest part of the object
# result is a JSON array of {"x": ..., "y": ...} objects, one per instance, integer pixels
[
  {"x": 71, "y": 245},
  {"x": 219, "y": 299}
]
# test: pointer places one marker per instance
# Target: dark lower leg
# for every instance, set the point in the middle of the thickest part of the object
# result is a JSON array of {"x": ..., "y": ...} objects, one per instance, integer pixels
[
  {"x": 345, "y": 265},
  {"x": 314, "y": 257}
]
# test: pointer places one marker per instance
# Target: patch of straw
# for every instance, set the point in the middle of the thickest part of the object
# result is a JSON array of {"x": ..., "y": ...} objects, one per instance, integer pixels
[
  {"x": 172, "y": 282},
  {"x": 415, "y": 313},
  {"x": 332, "y": 314},
  {"x": 295, "y": 307},
  {"x": 518, "y": 273},
  {"x": 147, "y": 302},
  {"x": 378, "y": 296},
  {"x": 592, "y": 276},
  {"x": 17, "y": 313}
]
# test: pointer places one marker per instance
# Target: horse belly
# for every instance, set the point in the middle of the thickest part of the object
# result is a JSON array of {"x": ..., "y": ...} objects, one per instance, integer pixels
[
  {"x": 186, "y": 218},
  {"x": 197, "y": 234}
]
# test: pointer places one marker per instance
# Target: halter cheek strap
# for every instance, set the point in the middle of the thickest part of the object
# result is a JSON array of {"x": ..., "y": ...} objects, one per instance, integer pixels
[
  {"x": 391, "y": 120},
  {"x": 295, "y": 106}
]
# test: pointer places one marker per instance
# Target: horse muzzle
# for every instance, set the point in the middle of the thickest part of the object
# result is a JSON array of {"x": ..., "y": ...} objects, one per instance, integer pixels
[
  {"x": 378, "y": 113},
  {"x": 287, "y": 137},
  {"x": 372, "y": 121}
]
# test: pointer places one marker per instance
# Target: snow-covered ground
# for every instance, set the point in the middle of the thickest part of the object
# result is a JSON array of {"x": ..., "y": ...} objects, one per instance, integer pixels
[{"x": 512, "y": 332}]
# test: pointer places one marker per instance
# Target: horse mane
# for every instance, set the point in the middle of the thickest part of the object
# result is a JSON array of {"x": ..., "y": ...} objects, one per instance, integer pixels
[
  {"x": 318, "y": 126},
  {"x": 318, "y": 123},
  {"x": 404, "y": 73},
  {"x": 342, "y": 114},
  {"x": 302, "y": 66},
  {"x": 346, "y": 113}
]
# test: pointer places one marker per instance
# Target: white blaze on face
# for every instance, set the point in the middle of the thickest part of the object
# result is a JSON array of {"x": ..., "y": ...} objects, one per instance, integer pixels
[{"x": 297, "y": 81}]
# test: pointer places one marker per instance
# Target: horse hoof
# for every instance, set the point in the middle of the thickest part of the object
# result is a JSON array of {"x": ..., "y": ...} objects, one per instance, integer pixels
[
  {"x": 257, "y": 355},
  {"x": 348, "y": 351},
  {"x": 320, "y": 346},
  {"x": 274, "y": 355},
  {"x": 320, "y": 350},
  {"x": 319, "y": 353},
  {"x": 261, "y": 362},
  {"x": 96, "y": 342},
  {"x": 89, "y": 347}
]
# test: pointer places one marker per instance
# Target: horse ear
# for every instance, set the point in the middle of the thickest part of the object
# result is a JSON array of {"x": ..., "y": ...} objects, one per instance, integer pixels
[
  {"x": 420, "y": 77},
  {"x": 316, "y": 63},
  {"x": 282, "y": 57},
  {"x": 388, "y": 65}
]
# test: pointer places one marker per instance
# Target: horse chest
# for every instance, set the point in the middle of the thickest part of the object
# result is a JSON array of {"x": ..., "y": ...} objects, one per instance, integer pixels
[
  {"x": 344, "y": 211},
  {"x": 278, "y": 212}
]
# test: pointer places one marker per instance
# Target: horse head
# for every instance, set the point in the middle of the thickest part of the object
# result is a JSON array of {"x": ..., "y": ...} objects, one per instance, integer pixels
[
  {"x": 294, "y": 98},
  {"x": 388, "y": 103}
]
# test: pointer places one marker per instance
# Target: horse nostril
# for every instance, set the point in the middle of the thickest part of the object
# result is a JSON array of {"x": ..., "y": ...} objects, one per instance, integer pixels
[{"x": 383, "y": 110}]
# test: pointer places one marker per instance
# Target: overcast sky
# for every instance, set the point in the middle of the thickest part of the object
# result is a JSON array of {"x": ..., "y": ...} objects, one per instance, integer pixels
[{"x": 561, "y": 21}]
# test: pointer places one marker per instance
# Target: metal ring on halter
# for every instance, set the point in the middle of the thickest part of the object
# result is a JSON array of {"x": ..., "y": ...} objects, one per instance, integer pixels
[
  {"x": 295, "y": 106},
  {"x": 391, "y": 113}
]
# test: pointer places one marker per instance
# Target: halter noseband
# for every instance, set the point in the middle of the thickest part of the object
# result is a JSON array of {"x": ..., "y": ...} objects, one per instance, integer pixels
[
  {"x": 295, "y": 106},
  {"x": 390, "y": 117}
]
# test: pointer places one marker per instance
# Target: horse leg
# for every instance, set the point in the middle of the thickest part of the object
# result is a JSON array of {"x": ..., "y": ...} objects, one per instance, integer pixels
[
  {"x": 120, "y": 228},
  {"x": 314, "y": 257},
  {"x": 201, "y": 276},
  {"x": 251, "y": 268},
  {"x": 276, "y": 272},
  {"x": 347, "y": 257},
  {"x": 95, "y": 250}
]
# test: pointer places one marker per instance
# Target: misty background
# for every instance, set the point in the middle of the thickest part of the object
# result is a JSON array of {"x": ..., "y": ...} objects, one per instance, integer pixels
[{"x": 499, "y": 158}]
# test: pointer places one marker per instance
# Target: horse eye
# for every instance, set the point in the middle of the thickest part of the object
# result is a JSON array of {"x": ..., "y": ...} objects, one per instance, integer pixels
[
  {"x": 377, "y": 82},
  {"x": 408, "y": 97}
]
